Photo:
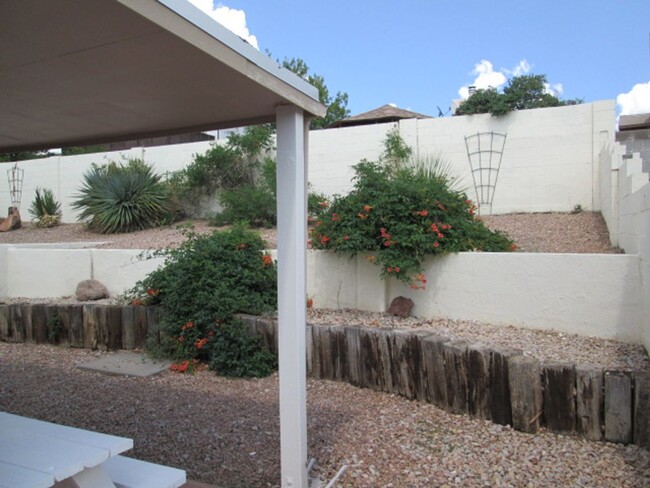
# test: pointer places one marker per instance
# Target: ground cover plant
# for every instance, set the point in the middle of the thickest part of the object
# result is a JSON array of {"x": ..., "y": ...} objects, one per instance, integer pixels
[
  {"x": 122, "y": 197},
  {"x": 202, "y": 285},
  {"x": 400, "y": 212}
]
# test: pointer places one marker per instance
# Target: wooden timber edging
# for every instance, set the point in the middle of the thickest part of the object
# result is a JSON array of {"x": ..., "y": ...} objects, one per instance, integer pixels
[
  {"x": 486, "y": 382},
  {"x": 491, "y": 383},
  {"x": 90, "y": 326}
]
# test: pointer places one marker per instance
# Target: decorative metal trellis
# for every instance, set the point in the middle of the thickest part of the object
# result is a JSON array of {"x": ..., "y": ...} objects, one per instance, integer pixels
[
  {"x": 15, "y": 175},
  {"x": 485, "y": 151}
]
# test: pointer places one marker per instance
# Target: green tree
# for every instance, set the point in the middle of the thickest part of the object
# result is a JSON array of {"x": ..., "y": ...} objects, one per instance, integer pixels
[
  {"x": 521, "y": 93},
  {"x": 22, "y": 156},
  {"x": 337, "y": 105},
  {"x": 74, "y": 150}
]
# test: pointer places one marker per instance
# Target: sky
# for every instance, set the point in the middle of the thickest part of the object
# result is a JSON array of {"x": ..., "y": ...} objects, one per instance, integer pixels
[{"x": 422, "y": 54}]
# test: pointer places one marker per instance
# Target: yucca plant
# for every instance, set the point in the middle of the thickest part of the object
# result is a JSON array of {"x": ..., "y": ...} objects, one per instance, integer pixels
[
  {"x": 122, "y": 197},
  {"x": 45, "y": 210}
]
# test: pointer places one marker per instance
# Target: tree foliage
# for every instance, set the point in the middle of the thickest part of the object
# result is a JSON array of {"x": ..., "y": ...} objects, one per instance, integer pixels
[
  {"x": 521, "y": 93},
  {"x": 337, "y": 105},
  {"x": 11, "y": 157}
]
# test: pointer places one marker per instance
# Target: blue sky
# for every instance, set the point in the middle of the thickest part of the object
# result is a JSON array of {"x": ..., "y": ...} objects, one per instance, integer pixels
[{"x": 418, "y": 54}]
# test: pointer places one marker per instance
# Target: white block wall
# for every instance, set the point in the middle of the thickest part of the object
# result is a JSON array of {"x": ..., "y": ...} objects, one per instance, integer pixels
[
  {"x": 586, "y": 294},
  {"x": 64, "y": 174},
  {"x": 628, "y": 217},
  {"x": 550, "y": 161},
  {"x": 39, "y": 272}
]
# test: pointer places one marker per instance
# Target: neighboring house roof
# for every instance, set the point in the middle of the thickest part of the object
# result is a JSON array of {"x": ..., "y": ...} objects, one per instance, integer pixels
[
  {"x": 633, "y": 122},
  {"x": 383, "y": 114}
]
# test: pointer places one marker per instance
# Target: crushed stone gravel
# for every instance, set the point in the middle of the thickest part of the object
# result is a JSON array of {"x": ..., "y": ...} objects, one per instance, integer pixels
[{"x": 226, "y": 431}]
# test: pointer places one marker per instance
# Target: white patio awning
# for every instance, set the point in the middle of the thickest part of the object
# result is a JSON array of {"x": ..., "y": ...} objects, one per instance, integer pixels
[{"x": 75, "y": 72}]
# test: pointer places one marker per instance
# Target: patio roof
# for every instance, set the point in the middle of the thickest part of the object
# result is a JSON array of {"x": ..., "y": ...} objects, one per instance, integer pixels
[{"x": 74, "y": 72}]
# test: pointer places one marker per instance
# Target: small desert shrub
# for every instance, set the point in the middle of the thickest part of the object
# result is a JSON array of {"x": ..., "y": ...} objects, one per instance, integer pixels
[
  {"x": 253, "y": 203},
  {"x": 45, "y": 210},
  {"x": 223, "y": 167},
  {"x": 122, "y": 198},
  {"x": 202, "y": 284}
]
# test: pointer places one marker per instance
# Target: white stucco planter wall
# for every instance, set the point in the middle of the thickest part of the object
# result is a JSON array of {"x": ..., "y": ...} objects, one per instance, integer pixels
[
  {"x": 587, "y": 294},
  {"x": 120, "y": 269},
  {"x": 45, "y": 272}
]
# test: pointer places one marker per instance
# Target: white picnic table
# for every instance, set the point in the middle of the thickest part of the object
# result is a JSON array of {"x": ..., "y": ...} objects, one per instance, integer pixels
[{"x": 38, "y": 454}]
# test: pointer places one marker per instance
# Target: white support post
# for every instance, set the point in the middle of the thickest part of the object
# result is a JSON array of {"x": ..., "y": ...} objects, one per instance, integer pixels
[{"x": 292, "y": 290}]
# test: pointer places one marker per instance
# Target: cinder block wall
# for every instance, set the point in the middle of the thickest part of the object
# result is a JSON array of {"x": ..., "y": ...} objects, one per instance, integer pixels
[
  {"x": 625, "y": 200},
  {"x": 550, "y": 161}
]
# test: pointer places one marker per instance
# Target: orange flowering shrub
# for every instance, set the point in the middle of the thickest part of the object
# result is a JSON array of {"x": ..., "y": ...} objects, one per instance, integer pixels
[
  {"x": 202, "y": 284},
  {"x": 400, "y": 216}
]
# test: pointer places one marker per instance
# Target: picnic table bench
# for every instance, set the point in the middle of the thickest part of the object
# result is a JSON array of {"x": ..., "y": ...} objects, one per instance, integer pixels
[{"x": 38, "y": 454}]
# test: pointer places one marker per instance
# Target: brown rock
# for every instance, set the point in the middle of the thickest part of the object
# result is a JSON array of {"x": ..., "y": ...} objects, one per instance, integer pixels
[
  {"x": 90, "y": 290},
  {"x": 401, "y": 306},
  {"x": 12, "y": 221}
]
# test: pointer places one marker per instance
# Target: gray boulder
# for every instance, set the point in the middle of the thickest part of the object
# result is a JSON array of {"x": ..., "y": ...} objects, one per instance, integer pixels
[{"x": 90, "y": 290}]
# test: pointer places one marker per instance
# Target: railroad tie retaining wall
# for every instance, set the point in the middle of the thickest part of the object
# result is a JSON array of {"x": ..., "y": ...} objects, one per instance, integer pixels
[
  {"x": 91, "y": 326},
  {"x": 492, "y": 383}
]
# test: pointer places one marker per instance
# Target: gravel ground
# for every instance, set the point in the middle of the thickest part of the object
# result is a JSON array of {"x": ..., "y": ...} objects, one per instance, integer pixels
[
  {"x": 226, "y": 432},
  {"x": 583, "y": 232},
  {"x": 158, "y": 238}
]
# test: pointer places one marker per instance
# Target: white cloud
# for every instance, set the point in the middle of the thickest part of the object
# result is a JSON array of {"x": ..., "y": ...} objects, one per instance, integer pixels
[
  {"x": 636, "y": 101},
  {"x": 522, "y": 68},
  {"x": 487, "y": 77},
  {"x": 556, "y": 89},
  {"x": 232, "y": 19}
]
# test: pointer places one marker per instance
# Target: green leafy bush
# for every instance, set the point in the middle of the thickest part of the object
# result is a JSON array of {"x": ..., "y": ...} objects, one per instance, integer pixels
[
  {"x": 223, "y": 167},
  {"x": 250, "y": 204},
  {"x": 254, "y": 203},
  {"x": 202, "y": 284},
  {"x": 396, "y": 151},
  {"x": 235, "y": 352},
  {"x": 45, "y": 210},
  {"x": 219, "y": 167},
  {"x": 401, "y": 216},
  {"x": 122, "y": 198},
  {"x": 317, "y": 205}
]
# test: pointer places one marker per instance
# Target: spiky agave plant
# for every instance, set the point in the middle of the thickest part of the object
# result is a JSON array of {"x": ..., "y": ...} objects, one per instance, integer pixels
[
  {"x": 119, "y": 197},
  {"x": 45, "y": 210}
]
